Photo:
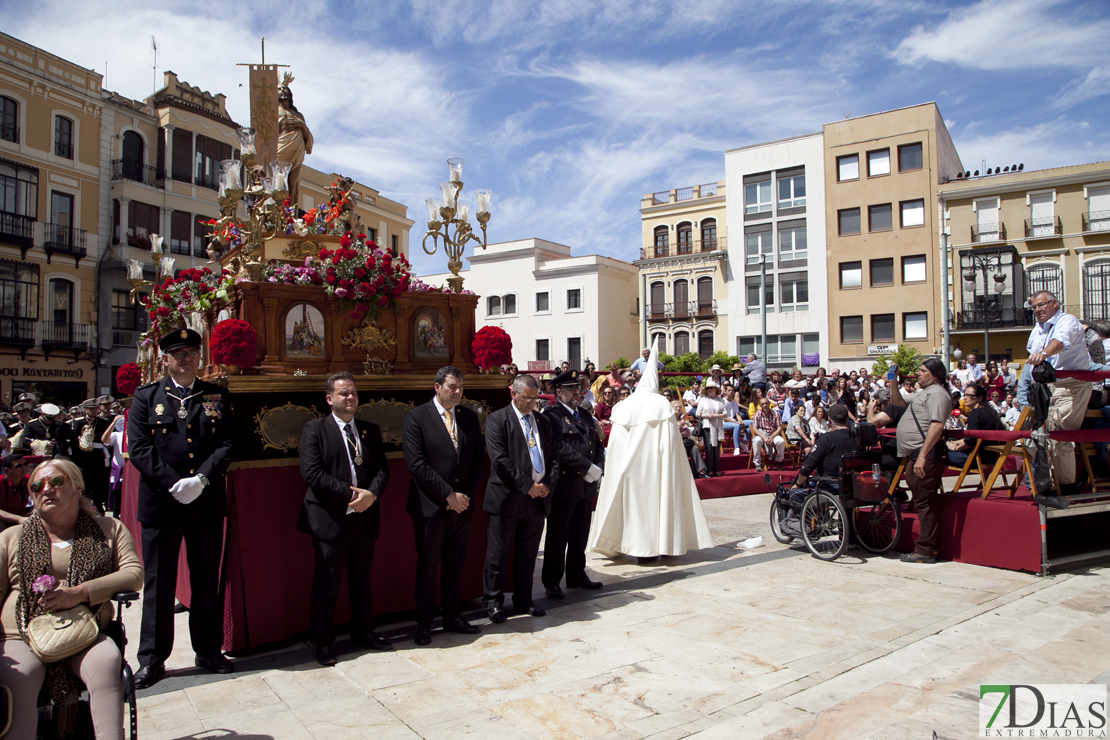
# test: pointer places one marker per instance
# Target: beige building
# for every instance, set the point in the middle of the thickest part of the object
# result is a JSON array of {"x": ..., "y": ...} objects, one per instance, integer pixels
[
  {"x": 881, "y": 178},
  {"x": 1015, "y": 233},
  {"x": 684, "y": 270}
]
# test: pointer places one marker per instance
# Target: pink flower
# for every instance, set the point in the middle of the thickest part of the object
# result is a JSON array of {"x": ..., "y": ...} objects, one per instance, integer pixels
[{"x": 44, "y": 584}]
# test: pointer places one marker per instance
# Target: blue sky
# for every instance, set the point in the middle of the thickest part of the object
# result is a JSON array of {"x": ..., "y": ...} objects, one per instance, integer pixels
[{"x": 571, "y": 111}]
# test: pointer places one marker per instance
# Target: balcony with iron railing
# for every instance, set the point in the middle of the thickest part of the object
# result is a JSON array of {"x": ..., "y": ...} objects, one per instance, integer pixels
[
  {"x": 206, "y": 182},
  {"x": 992, "y": 317},
  {"x": 681, "y": 310},
  {"x": 16, "y": 229},
  {"x": 988, "y": 232},
  {"x": 705, "y": 308},
  {"x": 1043, "y": 228},
  {"x": 1096, "y": 221},
  {"x": 682, "y": 249},
  {"x": 125, "y": 169},
  {"x": 17, "y": 331},
  {"x": 67, "y": 240},
  {"x": 62, "y": 149},
  {"x": 77, "y": 338},
  {"x": 692, "y": 192},
  {"x": 9, "y": 132},
  {"x": 179, "y": 246}
]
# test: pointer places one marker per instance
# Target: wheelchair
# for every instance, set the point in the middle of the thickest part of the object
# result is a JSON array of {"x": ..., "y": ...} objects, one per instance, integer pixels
[
  {"x": 47, "y": 728},
  {"x": 831, "y": 510}
]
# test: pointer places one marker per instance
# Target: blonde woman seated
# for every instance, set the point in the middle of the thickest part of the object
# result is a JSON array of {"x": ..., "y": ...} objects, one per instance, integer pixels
[{"x": 91, "y": 558}]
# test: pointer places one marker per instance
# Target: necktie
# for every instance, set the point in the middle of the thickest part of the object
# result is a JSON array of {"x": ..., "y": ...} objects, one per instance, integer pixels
[
  {"x": 533, "y": 449},
  {"x": 451, "y": 428},
  {"x": 350, "y": 434},
  {"x": 356, "y": 458}
]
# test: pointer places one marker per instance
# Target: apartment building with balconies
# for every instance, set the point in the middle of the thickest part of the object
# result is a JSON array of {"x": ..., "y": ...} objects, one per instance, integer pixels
[
  {"x": 684, "y": 270},
  {"x": 1013, "y": 233},
  {"x": 777, "y": 204},
  {"x": 882, "y": 172}
]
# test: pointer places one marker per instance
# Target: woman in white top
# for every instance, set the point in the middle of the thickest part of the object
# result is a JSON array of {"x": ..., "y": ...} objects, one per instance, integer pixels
[
  {"x": 113, "y": 443},
  {"x": 733, "y": 422},
  {"x": 819, "y": 424},
  {"x": 711, "y": 414}
]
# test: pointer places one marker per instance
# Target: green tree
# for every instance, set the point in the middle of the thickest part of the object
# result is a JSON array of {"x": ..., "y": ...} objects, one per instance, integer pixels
[
  {"x": 621, "y": 362},
  {"x": 687, "y": 363},
  {"x": 906, "y": 359},
  {"x": 722, "y": 358}
]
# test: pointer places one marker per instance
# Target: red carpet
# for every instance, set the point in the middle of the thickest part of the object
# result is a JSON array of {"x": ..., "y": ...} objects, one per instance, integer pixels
[{"x": 739, "y": 479}]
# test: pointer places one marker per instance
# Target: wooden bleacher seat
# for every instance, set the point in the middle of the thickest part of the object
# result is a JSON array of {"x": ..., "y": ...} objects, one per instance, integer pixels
[
  {"x": 1089, "y": 451},
  {"x": 1004, "y": 451}
]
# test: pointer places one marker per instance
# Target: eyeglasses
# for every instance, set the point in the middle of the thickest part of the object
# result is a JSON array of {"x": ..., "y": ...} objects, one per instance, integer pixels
[
  {"x": 1042, "y": 304},
  {"x": 55, "y": 481},
  {"x": 182, "y": 354}
]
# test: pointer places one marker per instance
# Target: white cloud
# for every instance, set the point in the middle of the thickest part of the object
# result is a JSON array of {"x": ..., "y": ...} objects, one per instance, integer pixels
[
  {"x": 1011, "y": 34},
  {"x": 1095, "y": 84},
  {"x": 1056, "y": 143}
]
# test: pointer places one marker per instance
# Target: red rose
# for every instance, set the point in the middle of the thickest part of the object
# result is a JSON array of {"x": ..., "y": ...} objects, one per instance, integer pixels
[
  {"x": 370, "y": 263},
  {"x": 360, "y": 273},
  {"x": 345, "y": 241},
  {"x": 331, "y": 279},
  {"x": 383, "y": 299}
]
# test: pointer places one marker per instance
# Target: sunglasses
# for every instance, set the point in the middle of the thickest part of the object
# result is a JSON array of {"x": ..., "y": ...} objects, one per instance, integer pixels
[{"x": 55, "y": 481}]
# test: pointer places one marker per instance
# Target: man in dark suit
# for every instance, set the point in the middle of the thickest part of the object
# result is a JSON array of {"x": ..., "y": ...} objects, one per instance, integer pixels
[
  {"x": 180, "y": 434},
  {"x": 48, "y": 427},
  {"x": 92, "y": 461},
  {"x": 343, "y": 462},
  {"x": 444, "y": 453},
  {"x": 523, "y": 470},
  {"x": 581, "y": 457}
]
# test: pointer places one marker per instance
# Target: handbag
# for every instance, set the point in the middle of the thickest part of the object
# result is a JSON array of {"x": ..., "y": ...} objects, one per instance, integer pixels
[{"x": 57, "y": 635}]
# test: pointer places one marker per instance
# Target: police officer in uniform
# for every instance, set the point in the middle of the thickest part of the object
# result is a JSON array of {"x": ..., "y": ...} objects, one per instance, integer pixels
[
  {"x": 22, "y": 410},
  {"x": 581, "y": 456},
  {"x": 88, "y": 451},
  {"x": 48, "y": 427},
  {"x": 180, "y": 435}
]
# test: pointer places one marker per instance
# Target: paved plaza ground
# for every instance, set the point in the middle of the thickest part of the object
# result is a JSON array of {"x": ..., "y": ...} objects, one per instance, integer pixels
[{"x": 720, "y": 643}]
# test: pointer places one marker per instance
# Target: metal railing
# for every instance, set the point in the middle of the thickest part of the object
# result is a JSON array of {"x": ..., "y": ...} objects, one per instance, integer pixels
[
  {"x": 179, "y": 247},
  {"x": 663, "y": 196},
  {"x": 63, "y": 150},
  {"x": 682, "y": 194},
  {"x": 993, "y": 318},
  {"x": 56, "y": 335},
  {"x": 1096, "y": 221},
  {"x": 204, "y": 182},
  {"x": 706, "y": 308},
  {"x": 986, "y": 232},
  {"x": 9, "y": 132},
  {"x": 17, "y": 229},
  {"x": 659, "y": 311},
  {"x": 16, "y": 331},
  {"x": 1042, "y": 227},
  {"x": 691, "y": 192},
  {"x": 683, "y": 248},
  {"x": 65, "y": 240},
  {"x": 708, "y": 190},
  {"x": 124, "y": 169}
]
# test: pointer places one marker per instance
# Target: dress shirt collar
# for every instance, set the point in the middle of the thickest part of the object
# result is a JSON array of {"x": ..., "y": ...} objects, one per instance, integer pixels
[
  {"x": 342, "y": 424},
  {"x": 188, "y": 388},
  {"x": 573, "y": 411},
  {"x": 440, "y": 410}
]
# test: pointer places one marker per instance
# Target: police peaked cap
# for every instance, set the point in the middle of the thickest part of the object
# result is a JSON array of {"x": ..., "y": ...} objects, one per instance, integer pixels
[
  {"x": 178, "y": 339},
  {"x": 568, "y": 377}
]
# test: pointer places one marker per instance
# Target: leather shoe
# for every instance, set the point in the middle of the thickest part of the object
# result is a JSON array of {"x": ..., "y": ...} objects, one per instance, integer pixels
[
  {"x": 556, "y": 593},
  {"x": 496, "y": 613},
  {"x": 585, "y": 583},
  {"x": 215, "y": 663},
  {"x": 532, "y": 610},
  {"x": 371, "y": 641},
  {"x": 325, "y": 655},
  {"x": 423, "y": 634},
  {"x": 459, "y": 625},
  {"x": 148, "y": 675}
]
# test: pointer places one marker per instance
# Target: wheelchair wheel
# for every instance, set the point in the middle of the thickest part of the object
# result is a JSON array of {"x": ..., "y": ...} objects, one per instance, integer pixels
[
  {"x": 779, "y": 508},
  {"x": 824, "y": 526},
  {"x": 878, "y": 525},
  {"x": 129, "y": 701}
]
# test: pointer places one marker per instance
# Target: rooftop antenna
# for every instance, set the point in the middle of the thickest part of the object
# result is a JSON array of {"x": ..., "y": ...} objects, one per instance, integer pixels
[{"x": 154, "y": 74}]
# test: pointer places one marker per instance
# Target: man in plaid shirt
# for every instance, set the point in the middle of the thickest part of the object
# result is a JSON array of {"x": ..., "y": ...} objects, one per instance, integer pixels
[{"x": 766, "y": 431}]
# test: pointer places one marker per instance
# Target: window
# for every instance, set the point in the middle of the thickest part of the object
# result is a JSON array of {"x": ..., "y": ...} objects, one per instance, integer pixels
[
  {"x": 913, "y": 269},
  {"x": 851, "y": 275},
  {"x": 792, "y": 190},
  {"x": 181, "y": 232},
  {"x": 372, "y": 235},
  {"x": 574, "y": 352},
  {"x": 60, "y": 297},
  {"x": 882, "y": 327},
  {"x": 1041, "y": 219},
  {"x": 1096, "y": 290},
  {"x": 508, "y": 304},
  {"x": 792, "y": 241},
  {"x": 63, "y": 137},
  {"x": 909, "y": 157},
  {"x": 681, "y": 343},
  {"x": 182, "y": 155},
  {"x": 543, "y": 302},
  {"x": 1046, "y": 277},
  {"x": 660, "y": 341},
  {"x": 61, "y": 209},
  {"x": 209, "y": 154},
  {"x": 709, "y": 235},
  {"x": 705, "y": 295},
  {"x": 662, "y": 239},
  {"x": 125, "y": 315},
  {"x": 878, "y": 163},
  {"x": 657, "y": 305},
  {"x": 851, "y": 329},
  {"x": 848, "y": 221},
  {"x": 201, "y": 231},
  {"x": 19, "y": 191},
  {"x": 878, "y": 217},
  {"x": 143, "y": 219},
  {"x": 9, "y": 119},
  {"x": 811, "y": 349},
  {"x": 543, "y": 349},
  {"x": 768, "y": 296},
  {"x": 19, "y": 290},
  {"x": 782, "y": 349},
  {"x": 394, "y": 244},
  {"x": 681, "y": 291},
  {"x": 986, "y": 218},
  {"x": 793, "y": 294},
  {"x": 882, "y": 272},
  {"x": 847, "y": 167},
  {"x": 757, "y": 196},
  {"x": 574, "y": 299},
  {"x": 493, "y": 305},
  {"x": 1098, "y": 209},
  {"x": 915, "y": 325},
  {"x": 685, "y": 234},
  {"x": 705, "y": 343},
  {"x": 757, "y": 243},
  {"x": 913, "y": 213}
]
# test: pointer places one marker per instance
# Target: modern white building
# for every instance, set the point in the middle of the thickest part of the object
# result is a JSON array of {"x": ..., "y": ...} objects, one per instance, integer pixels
[
  {"x": 555, "y": 306},
  {"x": 776, "y": 213}
]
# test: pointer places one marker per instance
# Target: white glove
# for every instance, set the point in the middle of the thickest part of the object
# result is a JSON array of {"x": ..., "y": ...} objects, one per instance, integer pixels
[
  {"x": 593, "y": 474},
  {"x": 187, "y": 490}
]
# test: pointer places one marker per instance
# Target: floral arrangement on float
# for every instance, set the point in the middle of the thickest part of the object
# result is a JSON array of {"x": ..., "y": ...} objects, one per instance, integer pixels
[
  {"x": 193, "y": 289},
  {"x": 233, "y": 345},
  {"x": 492, "y": 347},
  {"x": 128, "y": 378}
]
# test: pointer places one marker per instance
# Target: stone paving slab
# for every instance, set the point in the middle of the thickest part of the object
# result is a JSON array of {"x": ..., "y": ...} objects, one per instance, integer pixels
[{"x": 722, "y": 643}]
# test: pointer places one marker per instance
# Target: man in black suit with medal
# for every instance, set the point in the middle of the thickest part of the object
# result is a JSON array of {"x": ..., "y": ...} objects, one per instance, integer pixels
[
  {"x": 88, "y": 452},
  {"x": 444, "y": 453},
  {"x": 581, "y": 457},
  {"x": 523, "y": 470},
  {"x": 343, "y": 462},
  {"x": 48, "y": 427},
  {"x": 180, "y": 434}
]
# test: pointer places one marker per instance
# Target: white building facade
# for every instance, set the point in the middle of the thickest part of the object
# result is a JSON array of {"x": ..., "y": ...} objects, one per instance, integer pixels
[
  {"x": 776, "y": 213},
  {"x": 555, "y": 306}
]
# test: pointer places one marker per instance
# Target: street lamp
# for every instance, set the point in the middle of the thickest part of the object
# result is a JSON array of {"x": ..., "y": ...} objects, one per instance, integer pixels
[
  {"x": 449, "y": 220},
  {"x": 989, "y": 266}
]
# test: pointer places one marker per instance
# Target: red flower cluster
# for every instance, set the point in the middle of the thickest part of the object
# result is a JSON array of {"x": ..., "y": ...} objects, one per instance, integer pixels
[
  {"x": 492, "y": 347},
  {"x": 193, "y": 289},
  {"x": 234, "y": 343},
  {"x": 364, "y": 277},
  {"x": 128, "y": 378}
]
